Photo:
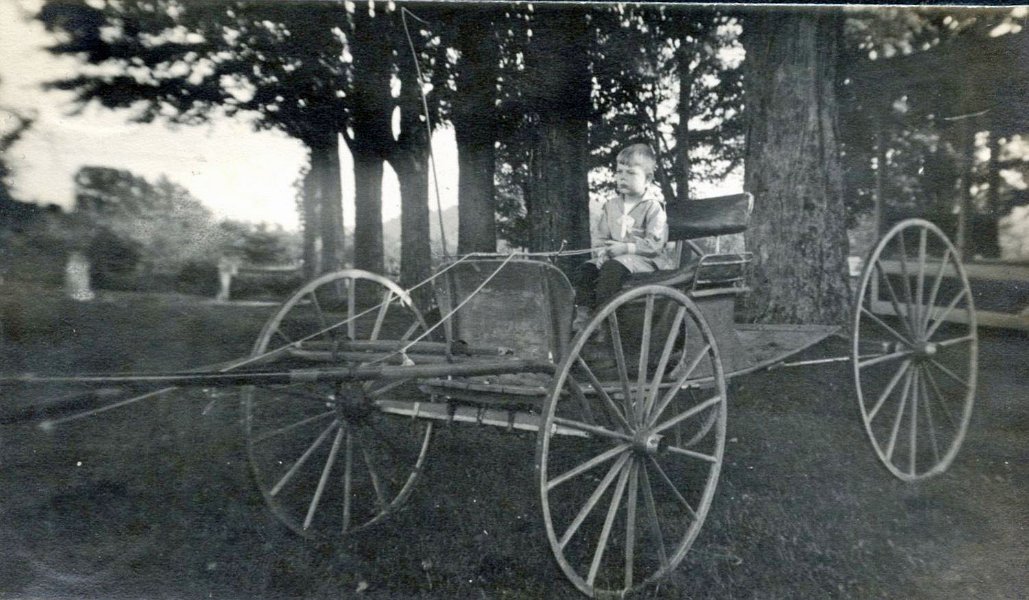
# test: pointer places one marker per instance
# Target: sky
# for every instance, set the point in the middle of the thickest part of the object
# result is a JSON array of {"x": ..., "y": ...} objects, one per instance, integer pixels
[{"x": 236, "y": 172}]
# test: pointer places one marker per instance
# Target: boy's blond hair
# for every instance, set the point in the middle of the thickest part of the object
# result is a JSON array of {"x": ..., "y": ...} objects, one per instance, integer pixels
[{"x": 641, "y": 154}]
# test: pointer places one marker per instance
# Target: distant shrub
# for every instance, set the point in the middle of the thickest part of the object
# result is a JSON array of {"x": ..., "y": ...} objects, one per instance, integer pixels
[
  {"x": 113, "y": 261},
  {"x": 272, "y": 286},
  {"x": 198, "y": 277}
]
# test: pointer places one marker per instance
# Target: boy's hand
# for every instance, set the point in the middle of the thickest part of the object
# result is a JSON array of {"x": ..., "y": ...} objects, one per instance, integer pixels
[{"x": 617, "y": 248}]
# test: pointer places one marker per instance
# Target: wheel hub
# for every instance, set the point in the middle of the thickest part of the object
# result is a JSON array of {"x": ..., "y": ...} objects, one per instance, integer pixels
[
  {"x": 926, "y": 350},
  {"x": 650, "y": 443},
  {"x": 352, "y": 404}
]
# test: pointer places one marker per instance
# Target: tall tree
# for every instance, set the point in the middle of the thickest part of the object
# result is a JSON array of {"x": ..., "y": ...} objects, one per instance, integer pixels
[
  {"x": 371, "y": 140},
  {"x": 410, "y": 159},
  {"x": 793, "y": 169},
  {"x": 558, "y": 95},
  {"x": 475, "y": 120}
]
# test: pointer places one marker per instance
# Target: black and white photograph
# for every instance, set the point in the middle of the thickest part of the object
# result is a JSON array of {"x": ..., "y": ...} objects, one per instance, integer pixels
[{"x": 529, "y": 300}]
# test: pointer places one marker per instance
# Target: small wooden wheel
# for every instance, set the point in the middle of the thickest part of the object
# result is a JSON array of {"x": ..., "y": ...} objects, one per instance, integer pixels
[
  {"x": 326, "y": 460},
  {"x": 627, "y": 465},
  {"x": 915, "y": 370}
]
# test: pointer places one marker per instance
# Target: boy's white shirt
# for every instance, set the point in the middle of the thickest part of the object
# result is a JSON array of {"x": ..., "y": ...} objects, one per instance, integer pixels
[{"x": 621, "y": 231}]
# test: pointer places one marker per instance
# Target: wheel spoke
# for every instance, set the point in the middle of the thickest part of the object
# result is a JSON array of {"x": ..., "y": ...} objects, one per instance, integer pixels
[
  {"x": 933, "y": 442},
  {"x": 348, "y": 478},
  {"x": 920, "y": 281},
  {"x": 630, "y": 523},
  {"x": 410, "y": 330},
  {"x": 322, "y": 321},
  {"x": 940, "y": 398},
  {"x": 592, "y": 501},
  {"x": 958, "y": 340},
  {"x": 594, "y": 429},
  {"x": 351, "y": 308},
  {"x": 584, "y": 403},
  {"x": 662, "y": 363},
  {"x": 378, "y": 484},
  {"x": 641, "y": 378},
  {"x": 913, "y": 444},
  {"x": 674, "y": 390},
  {"x": 675, "y": 491},
  {"x": 884, "y": 358},
  {"x": 605, "y": 533},
  {"x": 387, "y": 299},
  {"x": 687, "y": 414},
  {"x": 378, "y": 392},
  {"x": 911, "y": 318},
  {"x": 889, "y": 389},
  {"x": 655, "y": 523},
  {"x": 313, "y": 507},
  {"x": 586, "y": 466},
  {"x": 282, "y": 335},
  {"x": 893, "y": 297},
  {"x": 277, "y": 432},
  {"x": 900, "y": 417},
  {"x": 623, "y": 371},
  {"x": 612, "y": 406},
  {"x": 303, "y": 459},
  {"x": 943, "y": 317},
  {"x": 936, "y": 289},
  {"x": 948, "y": 372},
  {"x": 293, "y": 393},
  {"x": 692, "y": 454},
  {"x": 875, "y": 318}
]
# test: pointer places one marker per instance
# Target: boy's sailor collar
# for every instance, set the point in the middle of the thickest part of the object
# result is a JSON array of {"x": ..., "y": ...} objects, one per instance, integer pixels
[{"x": 652, "y": 194}]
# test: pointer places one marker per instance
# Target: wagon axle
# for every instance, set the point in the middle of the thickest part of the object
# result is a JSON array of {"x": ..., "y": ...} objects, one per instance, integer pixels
[{"x": 352, "y": 404}]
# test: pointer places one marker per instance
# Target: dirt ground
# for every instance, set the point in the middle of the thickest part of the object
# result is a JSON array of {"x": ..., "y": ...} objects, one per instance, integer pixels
[{"x": 155, "y": 500}]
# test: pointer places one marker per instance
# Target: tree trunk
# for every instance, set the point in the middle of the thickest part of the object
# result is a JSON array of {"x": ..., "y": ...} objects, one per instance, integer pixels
[
  {"x": 415, "y": 248},
  {"x": 372, "y": 139},
  {"x": 798, "y": 232},
  {"x": 312, "y": 218},
  {"x": 368, "y": 250},
  {"x": 325, "y": 168},
  {"x": 683, "y": 166},
  {"x": 475, "y": 127},
  {"x": 410, "y": 160},
  {"x": 558, "y": 77}
]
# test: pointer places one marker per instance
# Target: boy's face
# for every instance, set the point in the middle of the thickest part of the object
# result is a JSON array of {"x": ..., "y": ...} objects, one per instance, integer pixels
[{"x": 631, "y": 179}]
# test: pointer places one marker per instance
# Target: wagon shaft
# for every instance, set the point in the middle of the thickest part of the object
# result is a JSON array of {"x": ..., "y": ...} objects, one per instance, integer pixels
[{"x": 293, "y": 376}]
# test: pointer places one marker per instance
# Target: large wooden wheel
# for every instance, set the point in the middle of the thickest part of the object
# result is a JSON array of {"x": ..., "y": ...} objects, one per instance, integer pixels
[
  {"x": 915, "y": 350},
  {"x": 627, "y": 459},
  {"x": 326, "y": 460}
]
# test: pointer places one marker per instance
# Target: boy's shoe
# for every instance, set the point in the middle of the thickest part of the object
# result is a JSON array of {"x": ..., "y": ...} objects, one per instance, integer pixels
[{"x": 582, "y": 319}]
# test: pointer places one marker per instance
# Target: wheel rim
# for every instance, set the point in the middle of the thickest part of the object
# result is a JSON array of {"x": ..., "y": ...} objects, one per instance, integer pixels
[
  {"x": 327, "y": 462},
  {"x": 623, "y": 506},
  {"x": 915, "y": 372}
]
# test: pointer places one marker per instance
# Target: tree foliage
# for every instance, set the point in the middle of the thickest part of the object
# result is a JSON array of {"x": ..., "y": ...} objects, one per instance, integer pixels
[
  {"x": 161, "y": 219},
  {"x": 932, "y": 100}
]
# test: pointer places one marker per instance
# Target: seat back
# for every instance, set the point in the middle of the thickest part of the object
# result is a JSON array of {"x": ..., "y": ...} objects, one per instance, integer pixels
[
  {"x": 711, "y": 218},
  {"x": 525, "y": 306},
  {"x": 708, "y": 217}
]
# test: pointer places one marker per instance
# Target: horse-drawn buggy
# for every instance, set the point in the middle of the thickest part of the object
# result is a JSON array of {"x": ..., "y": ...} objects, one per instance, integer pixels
[{"x": 347, "y": 380}]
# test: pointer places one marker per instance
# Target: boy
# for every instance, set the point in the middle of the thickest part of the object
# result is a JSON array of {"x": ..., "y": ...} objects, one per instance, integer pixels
[{"x": 633, "y": 228}]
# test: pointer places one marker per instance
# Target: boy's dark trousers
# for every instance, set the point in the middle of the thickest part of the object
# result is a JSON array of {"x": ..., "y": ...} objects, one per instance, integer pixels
[{"x": 594, "y": 286}]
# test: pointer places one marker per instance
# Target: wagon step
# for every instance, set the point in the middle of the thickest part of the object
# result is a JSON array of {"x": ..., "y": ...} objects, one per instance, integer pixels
[{"x": 444, "y": 411}]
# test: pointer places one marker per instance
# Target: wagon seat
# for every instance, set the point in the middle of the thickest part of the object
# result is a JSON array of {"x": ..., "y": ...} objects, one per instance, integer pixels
[{"x": 713, "y": 279}]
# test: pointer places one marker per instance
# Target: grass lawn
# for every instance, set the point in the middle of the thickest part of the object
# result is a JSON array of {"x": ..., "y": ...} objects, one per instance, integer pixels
[{"x": 155, "y": 500}]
